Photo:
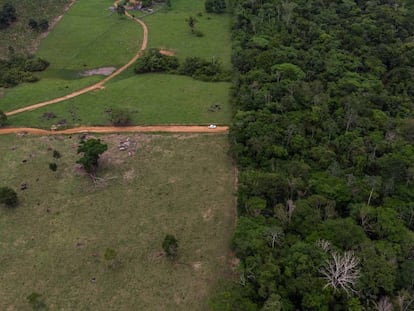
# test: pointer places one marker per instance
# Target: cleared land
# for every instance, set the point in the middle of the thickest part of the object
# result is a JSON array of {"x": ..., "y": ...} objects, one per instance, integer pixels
[
  {"x": 178, "y": 100},
  {"x": 152, "y": 99},
  {"x": 88, "y": 36},
  {"x": 54, "y": 242}
]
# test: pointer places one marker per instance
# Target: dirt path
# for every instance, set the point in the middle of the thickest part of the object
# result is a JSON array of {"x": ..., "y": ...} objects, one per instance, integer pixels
[
  {"x": 113, "y": 129},
  {"x": 97, "y": 86}
]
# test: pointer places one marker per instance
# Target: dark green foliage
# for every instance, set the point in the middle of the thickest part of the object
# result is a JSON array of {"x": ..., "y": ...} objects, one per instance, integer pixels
[
  {"x": 323, "y": 136},
  {"x": 120, "y": 9},
  {"x": 7, "y": 15},
  {"x": 215, "y": 6},
  {"x": 201, "y": 69},
  {"x": 147, "y": 3},
  {"x": 91, "y": 149},
  {"x": 154, "y": 61},
  {"x": 170, "y": 246},
  {"x": 56, "y": 154},
  {"x": 191, "y": 21},
  {"x": 19, "y": 69},
  {"x": 40, "y": 26},
  {"x": 195, "y": 67},
  {"x": 8, "y": 197},
  {"x": 119, "y": 117},
  {"x": 36, "y": 301},
  {"x": 3, "y": 119},
  {"x": 53, "y": 167}
]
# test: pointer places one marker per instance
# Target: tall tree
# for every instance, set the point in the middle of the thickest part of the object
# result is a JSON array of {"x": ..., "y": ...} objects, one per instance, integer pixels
[{"x": 91, "y": 149}]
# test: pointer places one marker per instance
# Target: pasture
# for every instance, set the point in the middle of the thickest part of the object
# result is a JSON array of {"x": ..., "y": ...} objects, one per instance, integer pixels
[
  {"x": 54, "y": 242},
  {"x": 150, "y": 99}
]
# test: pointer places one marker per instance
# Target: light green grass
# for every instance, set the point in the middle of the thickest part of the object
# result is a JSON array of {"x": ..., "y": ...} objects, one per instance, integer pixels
[
  {"x": 169, "y": 29},
  {"x": 19, "y": 35},
  {"x": 152, "y": 99},
  {"x": 32, "y": 93},
  {"x": 53, "y": 242},
  {"x": 88, "y": 36}
]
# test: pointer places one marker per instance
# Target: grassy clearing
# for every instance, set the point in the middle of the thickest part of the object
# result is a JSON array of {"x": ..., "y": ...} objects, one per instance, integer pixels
[
  {"x": 169, "y": 30},
  {"x": 53, "y": 243},
  {"x": 152, "y": 99},
  {"x": 88, "y": 36},
  {"x": 19, "y": 35}
]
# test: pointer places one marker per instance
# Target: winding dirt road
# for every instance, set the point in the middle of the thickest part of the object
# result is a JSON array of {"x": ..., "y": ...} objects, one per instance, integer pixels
[
  {"x": 97, "y": 86},
  {"x": 114, "y": 129}
]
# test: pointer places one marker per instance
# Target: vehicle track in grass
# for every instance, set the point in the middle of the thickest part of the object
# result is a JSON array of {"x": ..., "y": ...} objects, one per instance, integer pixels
[
  {"x": 96, "y": 86},
  {"x": 118, "y": 129}
]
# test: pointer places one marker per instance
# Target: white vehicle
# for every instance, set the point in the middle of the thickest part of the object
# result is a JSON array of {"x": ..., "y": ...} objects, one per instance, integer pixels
[{"x": 212, "y": 126}]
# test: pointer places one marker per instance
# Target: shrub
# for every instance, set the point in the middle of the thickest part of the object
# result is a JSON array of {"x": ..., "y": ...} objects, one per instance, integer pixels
[
  {"x": 8, "y": 197},
  {"x": 170, "y": 245},
  {"x": 53, "y": 167},
  {"x": 154, "y": 61},
  {"x": 56, "y": 154},
  {"x": 3, "y": 118},
  {"x": 215, "y": 6},
  {"x": 119, "y": 117}
]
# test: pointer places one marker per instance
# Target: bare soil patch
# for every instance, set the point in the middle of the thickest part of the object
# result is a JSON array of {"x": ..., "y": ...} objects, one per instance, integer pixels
[{"x": 104, "y": 71}]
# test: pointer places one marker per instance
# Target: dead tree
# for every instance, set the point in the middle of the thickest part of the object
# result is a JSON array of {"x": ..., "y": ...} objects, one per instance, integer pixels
[{"x": 341, "y": 272}]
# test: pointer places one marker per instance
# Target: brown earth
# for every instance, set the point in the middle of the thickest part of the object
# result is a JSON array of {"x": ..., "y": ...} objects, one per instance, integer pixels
[{"x": 114, "y": 129}]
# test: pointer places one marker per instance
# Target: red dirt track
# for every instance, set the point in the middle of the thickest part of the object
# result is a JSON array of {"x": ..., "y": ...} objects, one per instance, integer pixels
[
  {"x": 97, "y": 86},
  {"x": 114, "y": 129}
]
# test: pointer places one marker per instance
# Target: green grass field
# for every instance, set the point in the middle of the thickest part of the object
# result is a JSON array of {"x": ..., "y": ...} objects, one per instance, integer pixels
[
  {"x": 87, "y": 37},
  {"x": 53, "y": 242},
  {"x": 151, "y": 99},
  {"x": 169, "y": 30},
  {"x": 154, "y": 99}
]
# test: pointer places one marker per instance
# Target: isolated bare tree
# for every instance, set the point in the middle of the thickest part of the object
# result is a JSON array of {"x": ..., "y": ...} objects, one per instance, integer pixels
[
  {"x": 384, "y": 304},
  {"x": 274, "y": 236},
  {"x": 341, "y": 272},
  {"x": 324, "y": 244},
  {"x": 405, "y": 301}
]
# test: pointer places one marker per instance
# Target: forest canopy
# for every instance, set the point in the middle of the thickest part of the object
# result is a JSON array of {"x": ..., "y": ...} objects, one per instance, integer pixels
[{"x": 323, "y": 135}]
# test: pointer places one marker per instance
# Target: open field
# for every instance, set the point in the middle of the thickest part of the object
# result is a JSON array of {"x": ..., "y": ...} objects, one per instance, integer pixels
[
  {"x": 87, "y": 37},
  {"x": 151, "y": 98},
  {"x": 53, "y": 243},
  {"x": 169, "y": 30}
]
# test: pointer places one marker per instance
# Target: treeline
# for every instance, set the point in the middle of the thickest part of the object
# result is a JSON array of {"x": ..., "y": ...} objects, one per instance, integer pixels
[
  {"x": 195, "y": 67},
  {"x": 20, "y": 69},
  {"x": 324, "y": 138}
]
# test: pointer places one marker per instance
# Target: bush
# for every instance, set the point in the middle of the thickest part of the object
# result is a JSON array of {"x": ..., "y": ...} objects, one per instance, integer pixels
[
  {"x": 154, "y": 61},
  {"x": 203, "y": 70},
  {"x": 8, "y": 197},
  {"x": 56, "y": 154},
  {"x": 3, "y": 118},
  {"x": 53, "y": 167},
  {"x": 119, "y": 117},
  {"x": 215, "y": 6},
  {"x": 170, "y": 245}
]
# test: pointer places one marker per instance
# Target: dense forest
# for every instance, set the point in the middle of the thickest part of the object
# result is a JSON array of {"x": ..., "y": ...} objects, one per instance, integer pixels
[{"x": 323, "y": 135}]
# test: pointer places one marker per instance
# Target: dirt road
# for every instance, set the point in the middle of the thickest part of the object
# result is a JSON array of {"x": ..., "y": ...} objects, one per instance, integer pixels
[
  {"x": 113, "y": 129},
  {"x": 97, "y": 86}
]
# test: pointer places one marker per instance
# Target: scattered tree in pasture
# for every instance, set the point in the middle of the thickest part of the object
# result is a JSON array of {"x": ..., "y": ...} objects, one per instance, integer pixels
[
  {"x": 8, "y": 197},
  {"x": 91, "y": 149},
  {"x": 53, "y": 167},
  {"x": 170, "y": 246}
]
